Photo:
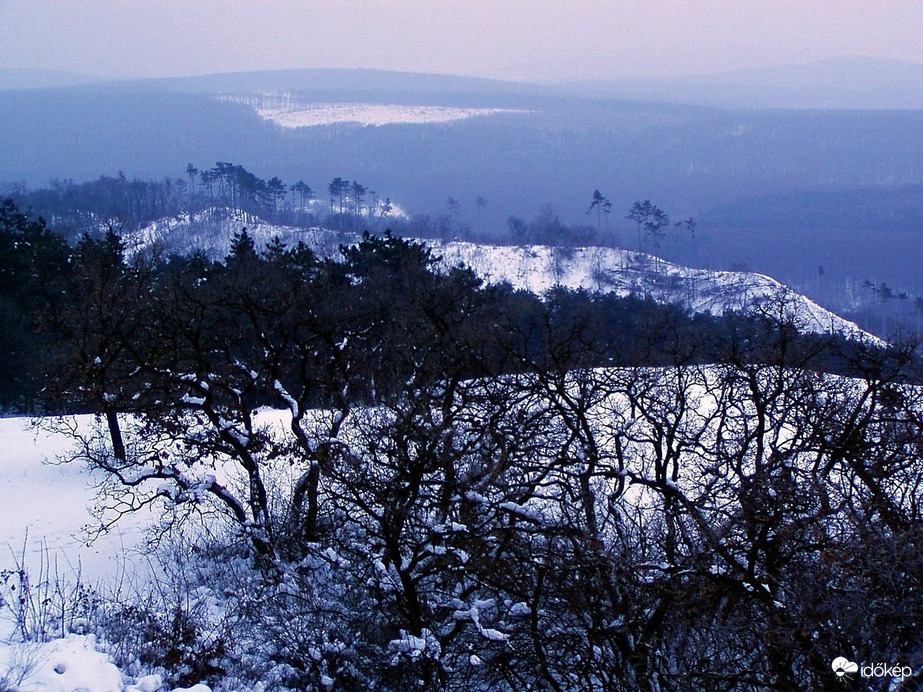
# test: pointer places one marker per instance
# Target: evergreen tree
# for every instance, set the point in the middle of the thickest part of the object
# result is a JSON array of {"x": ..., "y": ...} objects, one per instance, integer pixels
[{"x": 34, "y": 263}]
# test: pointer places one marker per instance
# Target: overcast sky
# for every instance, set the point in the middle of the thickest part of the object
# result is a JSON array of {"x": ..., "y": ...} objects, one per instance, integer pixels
[{"x": 512, "y": 39}]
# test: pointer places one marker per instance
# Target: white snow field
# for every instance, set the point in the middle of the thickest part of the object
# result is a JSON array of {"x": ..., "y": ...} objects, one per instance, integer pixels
[
  {"x": 288, "y": 111},
  {"x": 371, "y": 114},
  {"x": 46, "y": 503},
  {"x": 44, "y": 509}
]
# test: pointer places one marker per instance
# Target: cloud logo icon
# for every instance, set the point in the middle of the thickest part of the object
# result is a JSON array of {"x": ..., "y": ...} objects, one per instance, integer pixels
[{"x": 841, "y": 666}]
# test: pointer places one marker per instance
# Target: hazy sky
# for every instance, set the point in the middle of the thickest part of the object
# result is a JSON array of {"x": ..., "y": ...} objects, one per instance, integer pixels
[{"x": 517, "y": 39}]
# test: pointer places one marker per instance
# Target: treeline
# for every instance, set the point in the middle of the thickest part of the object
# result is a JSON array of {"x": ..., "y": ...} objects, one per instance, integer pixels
[
  {"x": 125, "y": 205},
  {"x": 51, "y": 302},
  {"x": 474, "y": 487},
  {"x": 75, "y": 208}
]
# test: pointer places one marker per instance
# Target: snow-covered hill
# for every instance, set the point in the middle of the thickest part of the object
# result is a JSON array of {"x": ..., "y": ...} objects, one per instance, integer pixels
[
  {"x": 538, "y": 268},
  {"x": 535, "y": 268},
  {"x": 210, "y": 231}
]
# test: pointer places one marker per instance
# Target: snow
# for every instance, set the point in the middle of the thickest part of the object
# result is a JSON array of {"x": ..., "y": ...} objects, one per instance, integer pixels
[
  {"x": 286, "y": 110},
  {"x": 211, "y": 230},
  {"x": 370, "y": 114},
  {"x": 45, "y": 512},
  {"x": 520, "y": 610},
  {"x": 414, "y": 647},
  {"x": 536, "y": 268},
  {"x": 149, "y": 683},
  {"x": 48, "y": 503},
  {"x": 61, "y": 665},
  {"x": 70, "y": 664}
]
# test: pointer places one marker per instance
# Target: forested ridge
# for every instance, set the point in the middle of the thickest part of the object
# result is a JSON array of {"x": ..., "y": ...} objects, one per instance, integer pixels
[
  {"x": 767, "y": 228},
  {"x": 59, "y": 297},
  {"x": 411, "y": 480},
  {"x": 799, "y": 195},
  {"x": 127, "y": 205}
]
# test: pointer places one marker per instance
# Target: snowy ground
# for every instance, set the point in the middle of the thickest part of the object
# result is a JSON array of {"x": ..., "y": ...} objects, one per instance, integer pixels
[
  {"x": 48, "y": 504},
  {"x": 289, "y": 111},
  {"x": 44, "y": 512},
  {"x": 374, "y": 114},
  {"x": 538, "y": 268},
  {"x": 211, "y": 231}
]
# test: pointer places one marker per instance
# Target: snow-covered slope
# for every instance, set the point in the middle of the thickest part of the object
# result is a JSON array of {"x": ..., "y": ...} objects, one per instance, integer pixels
[
  {"x": 535, "y": 268},
  {"x": 288, "y": 111},
  {"x": 211, "y": 231},
  {"x": 612, "y": 270},
  {"x": 45, "y": 505},
  {"x": 44, "y": 551}
]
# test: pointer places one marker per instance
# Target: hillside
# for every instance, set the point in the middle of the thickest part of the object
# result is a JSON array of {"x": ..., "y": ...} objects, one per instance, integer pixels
[
  {"x": 425, "y": 479},
  {"x": 538, "y": 268},
  {"x": 527, "y": 147},
  {"x": 849, "y": 82},
  {"x": 535, "y": 268}
]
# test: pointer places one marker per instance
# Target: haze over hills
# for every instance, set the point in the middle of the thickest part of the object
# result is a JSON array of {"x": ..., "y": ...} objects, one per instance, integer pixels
[
  {"x": 370, "y": 81},
  {"x": 19, "y": 78},
  {"x": 835, "y": 83},
  {"x": 779, "y": 191},
  {"x": 851, "y": 82}
]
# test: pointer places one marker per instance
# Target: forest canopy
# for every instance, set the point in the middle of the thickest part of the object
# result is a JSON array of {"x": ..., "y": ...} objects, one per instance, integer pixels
[{"x": 412, "y": 480}]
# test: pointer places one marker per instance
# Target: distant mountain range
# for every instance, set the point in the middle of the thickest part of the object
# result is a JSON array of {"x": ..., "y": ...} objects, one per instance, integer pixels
[
  {"x": 16, "y": 78},
  {"x": 834, "y": 83},
  {"x": 805, "y": 185}
]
